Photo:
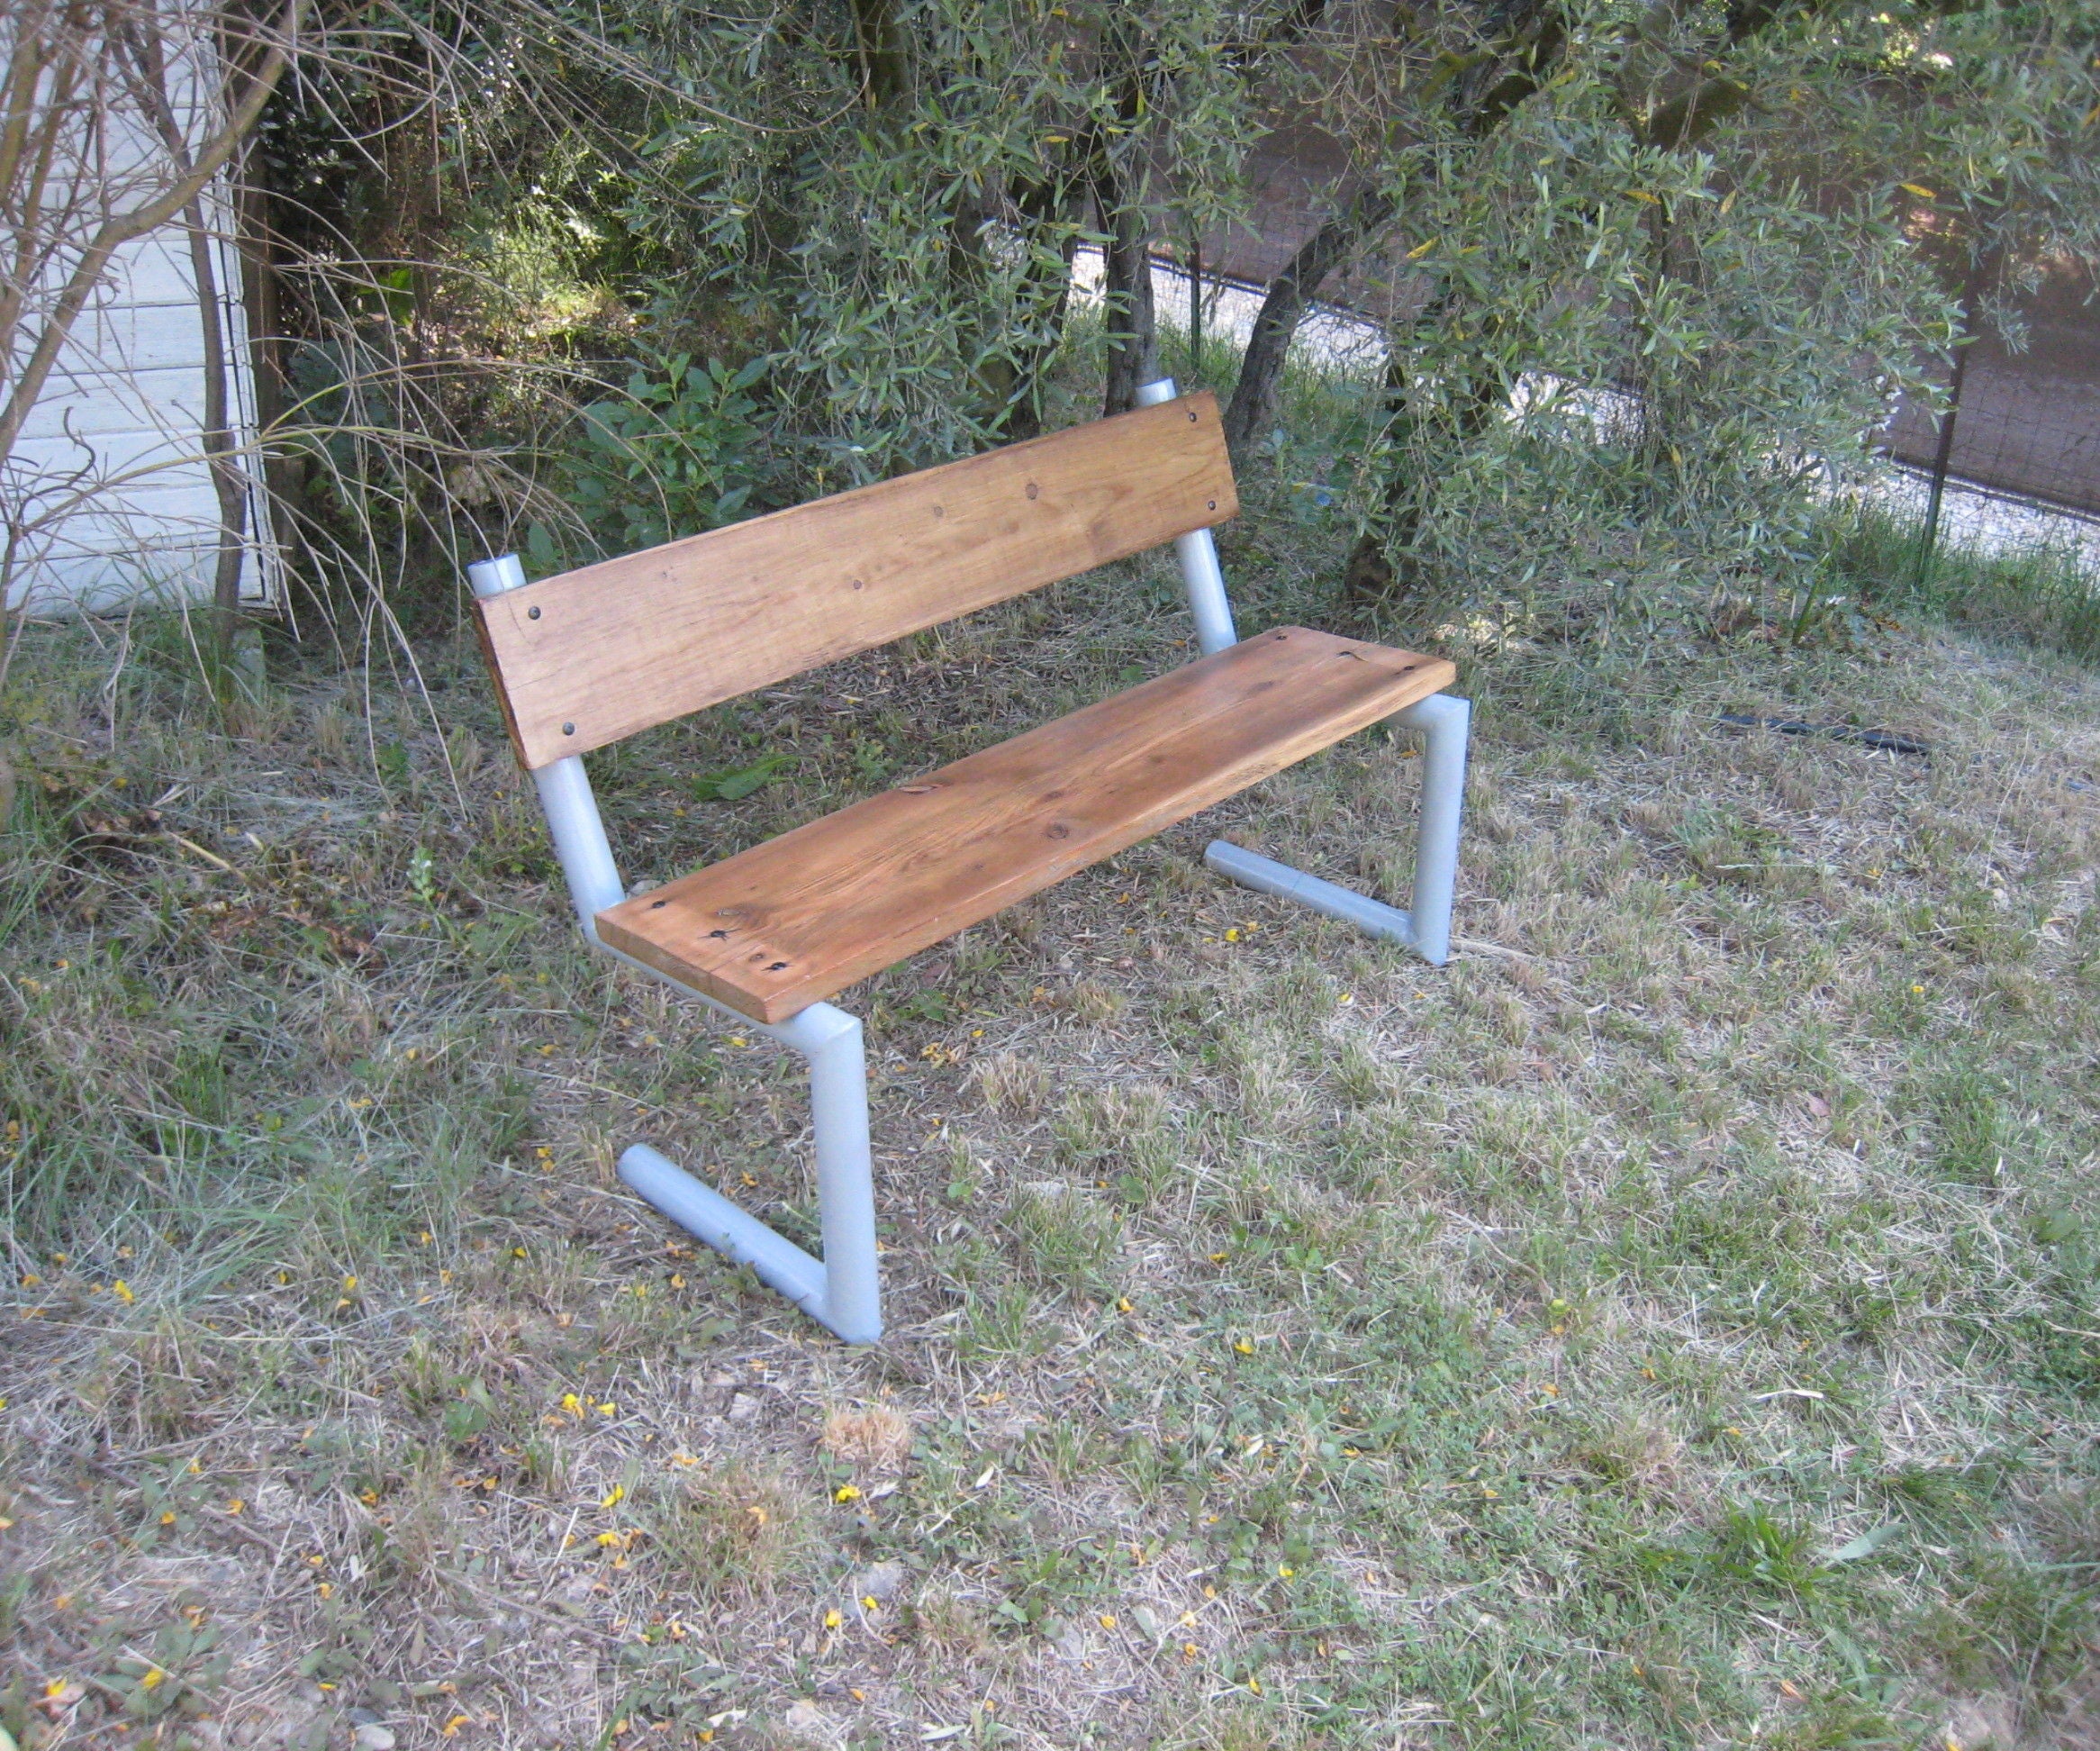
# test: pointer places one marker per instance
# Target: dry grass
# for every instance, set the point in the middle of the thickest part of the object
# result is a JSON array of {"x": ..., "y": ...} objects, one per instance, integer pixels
[{"x": 1676, "y": 1332}]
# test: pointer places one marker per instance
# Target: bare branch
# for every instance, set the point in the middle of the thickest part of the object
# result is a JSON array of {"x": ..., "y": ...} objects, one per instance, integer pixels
[{"x": 118, "y": 229}]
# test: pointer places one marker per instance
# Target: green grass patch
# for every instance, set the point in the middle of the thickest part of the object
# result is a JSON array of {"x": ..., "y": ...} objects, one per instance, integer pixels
[{"x": 1670, "y": 1325}]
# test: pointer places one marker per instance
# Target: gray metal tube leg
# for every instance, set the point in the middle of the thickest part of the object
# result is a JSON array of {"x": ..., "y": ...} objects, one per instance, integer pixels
[
  {"x": 1425, "y": 926},
  {"x": 1266, "y": 875},
  {"x": 703, "y": 1212},
  {"x": 1196, "y": 550},
  {"x": 845, "y": 1179},
  {"x": 842, "y": 1291},
  {"x": 1444, "y": 724}
]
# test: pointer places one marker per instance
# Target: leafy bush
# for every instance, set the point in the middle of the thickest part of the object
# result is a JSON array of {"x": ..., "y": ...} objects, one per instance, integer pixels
[{"x": 679, "y": 454}]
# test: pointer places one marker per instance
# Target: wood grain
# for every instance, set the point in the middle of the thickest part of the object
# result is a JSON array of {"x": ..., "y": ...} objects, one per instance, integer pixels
[
  {"x": 590, "y": 655},
  {"x": 802, "y": 916}
]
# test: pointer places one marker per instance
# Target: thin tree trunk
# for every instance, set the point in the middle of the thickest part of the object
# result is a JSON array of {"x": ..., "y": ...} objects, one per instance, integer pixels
[
  {"x": 1042, "y": 205},
  {"x": 884, "y": 51},
  {"x": 1370, "y": 575},
  {"x": 1943, "y": 449},
  {"x": 1196, "y": 306},
  {"x": 282, "y": 510},
  {"x": 993, "y": 376},
  {"x": 1942, "y": 456},
  {"x": 1132, "y": 322},
  {"x": 1254, "y": 397},
  {"x": 148, "y": 58},
  {"x": 195, "y": 174},
  {"x": 1537, "y": 40},
  {"x": 229, "y": 479}
]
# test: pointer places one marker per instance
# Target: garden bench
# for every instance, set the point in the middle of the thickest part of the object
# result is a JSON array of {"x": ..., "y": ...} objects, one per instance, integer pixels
[{"x": 588, "y": 658}]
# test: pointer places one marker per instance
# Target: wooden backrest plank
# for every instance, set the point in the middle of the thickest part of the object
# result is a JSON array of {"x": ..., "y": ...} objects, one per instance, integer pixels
[{"x": 593, "y": 655}]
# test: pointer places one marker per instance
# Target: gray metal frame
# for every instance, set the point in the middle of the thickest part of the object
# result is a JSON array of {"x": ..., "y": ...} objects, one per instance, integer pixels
[
  {"x": 1442, "y": 721},
  {"x": 841, "y": 1291}
]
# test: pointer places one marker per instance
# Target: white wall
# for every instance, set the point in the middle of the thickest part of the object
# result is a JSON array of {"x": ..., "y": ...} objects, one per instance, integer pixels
[
  {"x": 115, "y": 442},
  {"x": 108, "y": 479}
]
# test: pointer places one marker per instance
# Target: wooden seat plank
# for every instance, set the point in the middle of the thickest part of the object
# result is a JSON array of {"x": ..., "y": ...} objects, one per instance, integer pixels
[{"x": 801, "y": 917}]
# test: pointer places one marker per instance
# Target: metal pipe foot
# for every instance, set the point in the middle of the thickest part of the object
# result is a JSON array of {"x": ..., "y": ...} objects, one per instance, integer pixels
[
  {"x": 1266, "y": 875},
  {"x": 775, "y": 1260},
  {"x": 1443, "y": 723}
]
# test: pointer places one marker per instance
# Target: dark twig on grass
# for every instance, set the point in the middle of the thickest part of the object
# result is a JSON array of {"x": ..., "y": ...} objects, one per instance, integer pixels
[{"x": 1880, "y": 741}]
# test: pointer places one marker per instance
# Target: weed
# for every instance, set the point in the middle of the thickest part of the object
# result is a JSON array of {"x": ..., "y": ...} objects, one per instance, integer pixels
[
  {"x": 2044, "y": 594},
  {"x": 720, "y": 1533},
  {"x": 1761, "y": 1552},
  {"x": 1012, "y": 1085},
  {"x": 875, "y": 1438},
  {"x": 1066, "y": 1238},
  {"x": 952, "y": 1621}
]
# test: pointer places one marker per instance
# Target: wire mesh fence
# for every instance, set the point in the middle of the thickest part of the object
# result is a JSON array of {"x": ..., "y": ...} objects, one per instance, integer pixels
[{"x": 2015, "y": 436}]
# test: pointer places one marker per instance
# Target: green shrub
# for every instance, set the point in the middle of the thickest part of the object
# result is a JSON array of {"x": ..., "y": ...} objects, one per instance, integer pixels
[{"x": 679, "y": 454}]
